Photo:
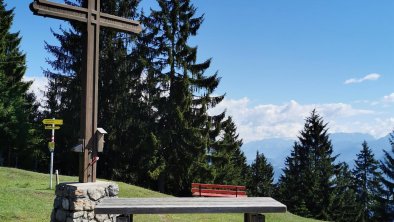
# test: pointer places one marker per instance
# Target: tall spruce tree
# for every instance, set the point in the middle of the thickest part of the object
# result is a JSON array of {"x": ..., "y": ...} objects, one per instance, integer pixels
[
  {"x": 37, "y": 154},
  {"x": 367, "y": 182},
  {"x": 385, "y": 198},
  {"x": 295, "y": 184},
  {"x": 119, "y": 96},
  {"x": 185, "y": 128},
  {"x": 126, "y": 101},
  {"x": 306, "y": 185},
  {"x": 261, "y": 177},
  {"x": 17, "y": 134},
  {"x": 228, "y": 162},
  {"x": 344, "y": 206},
  {"x": 153, "y": 98}
]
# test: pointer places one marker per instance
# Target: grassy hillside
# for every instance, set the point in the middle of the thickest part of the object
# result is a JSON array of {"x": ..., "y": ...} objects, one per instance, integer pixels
[{"x": 25, "y": 196}]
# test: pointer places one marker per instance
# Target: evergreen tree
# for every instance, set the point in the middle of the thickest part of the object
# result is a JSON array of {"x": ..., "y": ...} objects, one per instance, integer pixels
[
  {"x": 126, "y": 95},
  {"x": 17, "y": 134},
  {"x": 63, "y": 95},
  {"x": 119, "y": 95},
  {"x": 294, "y": 185},
  {"x": 228, "y": 162},
  {"x": 367, "y": 181},
  {"x": 153, "y": 98},
  {"x": 261, "y": 177},
  {"x": 306, "y": 185},
  {"x": 185, "y": 128},
  {"x": 385, "y": 208},
  {"x": 344, "y": 206}
]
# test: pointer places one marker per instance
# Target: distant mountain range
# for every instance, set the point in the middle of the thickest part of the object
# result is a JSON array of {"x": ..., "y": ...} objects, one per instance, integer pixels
[{"x": 347, "y": 145}]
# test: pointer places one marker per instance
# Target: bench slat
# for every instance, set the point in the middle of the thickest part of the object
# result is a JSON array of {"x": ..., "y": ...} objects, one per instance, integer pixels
[
  {"x": 216, "y": 195},
  {"x": 196, "y": 192},
  {"x": 217, "y": 190},
  {"x": 218, "y": 186},
  {"x": 189, "y": 205},
  {"x": 232, "y": 192}
]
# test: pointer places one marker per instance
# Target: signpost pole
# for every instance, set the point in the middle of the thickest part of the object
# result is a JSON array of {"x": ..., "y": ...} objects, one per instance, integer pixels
[
  {"x": 51, "y": 170},
  {"x": 51, "y": 124},
  {"x": 53, "y": 141}
]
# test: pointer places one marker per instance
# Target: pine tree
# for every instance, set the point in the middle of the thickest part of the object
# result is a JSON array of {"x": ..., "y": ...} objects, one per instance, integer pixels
[
  {"x": 119, "y": 95},
  {"x": 261, "y": 177},
  {"x": 367, "y": 181},
  {"x": 153, "y": 98},
  {"x": 126, "y": 95},
  {"x": 308, "y": 172},
  {"x": 344, "y": 206},
  {"x": 385, "y": 208},
  {"x": 63, "y": 95},
  {"x": 228, "y": 162},
  {"x": 185, "y": 128},
  {"x": 16, "y": 103},
  {"x": 294, "y": 186}
]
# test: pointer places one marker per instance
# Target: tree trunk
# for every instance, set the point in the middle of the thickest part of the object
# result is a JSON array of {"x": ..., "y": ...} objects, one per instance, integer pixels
[
  {"x": 162, "y": 183},
  {"x": 8, "y": 163}
]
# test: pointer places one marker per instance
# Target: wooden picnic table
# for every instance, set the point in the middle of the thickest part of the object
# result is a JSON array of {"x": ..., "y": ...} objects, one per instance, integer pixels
[{"x": 251, "y": 207}]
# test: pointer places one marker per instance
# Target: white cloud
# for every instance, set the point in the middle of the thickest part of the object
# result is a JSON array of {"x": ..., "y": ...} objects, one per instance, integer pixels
[
  {"x": 385, "y": 101},
  {"x": 389, "y": 98},
  {"x": 377, "y": 126},
  {"x": 286, "y": 120},
  {"x": 38, "y": 86},
  {"x": 369, "y": 77}
]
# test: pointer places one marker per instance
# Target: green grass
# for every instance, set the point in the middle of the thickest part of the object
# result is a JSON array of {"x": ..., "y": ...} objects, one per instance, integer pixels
[{"x": 25, "y": 196}]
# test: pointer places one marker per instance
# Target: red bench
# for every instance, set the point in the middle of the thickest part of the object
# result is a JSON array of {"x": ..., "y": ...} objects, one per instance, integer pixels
[{"x": 216, "y": 190}]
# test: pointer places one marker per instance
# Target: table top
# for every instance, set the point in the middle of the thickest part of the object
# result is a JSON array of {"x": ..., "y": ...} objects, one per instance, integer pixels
[{"x": 189, "y": 205}]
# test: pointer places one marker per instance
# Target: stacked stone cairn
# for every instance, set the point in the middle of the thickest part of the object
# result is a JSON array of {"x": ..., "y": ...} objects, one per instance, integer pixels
[{"x": 75, "y": 202}]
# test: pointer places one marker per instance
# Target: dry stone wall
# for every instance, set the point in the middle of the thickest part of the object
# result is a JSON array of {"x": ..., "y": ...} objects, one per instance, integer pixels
[{"x": 75, "y": 202}]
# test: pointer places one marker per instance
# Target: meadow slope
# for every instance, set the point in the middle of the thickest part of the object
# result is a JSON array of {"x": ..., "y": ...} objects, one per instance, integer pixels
[{"x": 25, "y": 196}]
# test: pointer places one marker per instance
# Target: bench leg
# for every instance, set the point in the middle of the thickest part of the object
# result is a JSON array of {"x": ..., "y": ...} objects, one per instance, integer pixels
[
  {"x": 248, "y": 217},
  {"x": 124, "y": 218}
]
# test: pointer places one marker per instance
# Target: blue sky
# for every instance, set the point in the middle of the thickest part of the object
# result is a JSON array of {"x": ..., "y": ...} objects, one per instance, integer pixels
[{"x": 279, "y": 59}]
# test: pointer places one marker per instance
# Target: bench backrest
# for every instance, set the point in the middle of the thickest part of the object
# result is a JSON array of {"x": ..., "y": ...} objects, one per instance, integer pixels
[{"x": 217, "y": 190}]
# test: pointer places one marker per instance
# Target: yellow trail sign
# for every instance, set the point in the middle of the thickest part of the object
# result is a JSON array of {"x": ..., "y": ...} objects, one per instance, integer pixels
[
  {"x": 53, "y": 121},
  {"x": 52, "y": 127},
  {"x": 51, "y": 146}
]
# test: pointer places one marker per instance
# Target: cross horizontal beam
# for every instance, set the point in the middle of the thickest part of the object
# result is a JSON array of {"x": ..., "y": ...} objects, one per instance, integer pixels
[{"x": 71, "y": 13}]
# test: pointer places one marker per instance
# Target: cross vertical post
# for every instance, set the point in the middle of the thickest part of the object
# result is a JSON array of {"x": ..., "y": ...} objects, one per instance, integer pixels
[{"x": 90, "y": 96}]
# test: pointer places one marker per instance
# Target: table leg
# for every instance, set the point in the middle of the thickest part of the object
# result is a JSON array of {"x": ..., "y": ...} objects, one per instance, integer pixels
[
  {"x": 124, "y": 218},
  {"x": 248, "y": 217}
]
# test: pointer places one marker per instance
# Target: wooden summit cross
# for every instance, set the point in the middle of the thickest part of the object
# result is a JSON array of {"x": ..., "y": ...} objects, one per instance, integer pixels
[{"x": 94, "y": 18}]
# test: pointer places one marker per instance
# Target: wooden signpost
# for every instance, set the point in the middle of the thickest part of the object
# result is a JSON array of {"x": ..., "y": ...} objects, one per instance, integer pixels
[
  {"x": 94, "y": 19},
  {"x": 50, "y": 124}
]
